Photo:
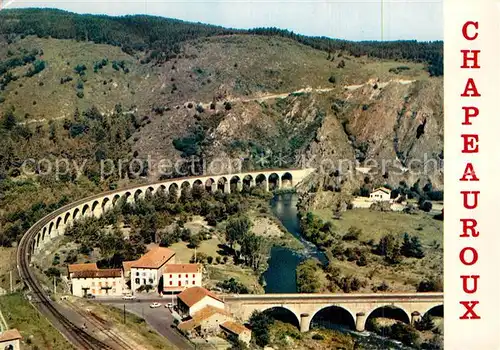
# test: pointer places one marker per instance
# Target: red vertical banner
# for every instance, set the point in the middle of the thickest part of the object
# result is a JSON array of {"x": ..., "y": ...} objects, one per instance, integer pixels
[{"x": 472, "y": 140}]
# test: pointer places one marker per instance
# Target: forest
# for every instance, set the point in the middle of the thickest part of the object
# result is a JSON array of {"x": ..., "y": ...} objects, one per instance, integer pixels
[{"x": 162, "y": 36}]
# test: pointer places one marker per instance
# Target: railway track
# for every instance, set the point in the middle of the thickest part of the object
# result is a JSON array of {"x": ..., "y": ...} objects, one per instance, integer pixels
[
  {"x": 77, "y": 336},
  {"x": 101, "y": 327}
]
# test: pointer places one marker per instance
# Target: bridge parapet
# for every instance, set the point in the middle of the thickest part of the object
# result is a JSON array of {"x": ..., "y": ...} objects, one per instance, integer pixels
[{"x": 359, "y": 306}]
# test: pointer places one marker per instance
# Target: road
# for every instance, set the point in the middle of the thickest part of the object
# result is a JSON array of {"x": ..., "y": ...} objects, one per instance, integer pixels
[{"x": 160, "y": 319}]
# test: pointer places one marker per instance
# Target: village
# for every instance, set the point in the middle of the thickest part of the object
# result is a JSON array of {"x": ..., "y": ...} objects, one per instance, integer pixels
[{"x": 197, "y": 313}]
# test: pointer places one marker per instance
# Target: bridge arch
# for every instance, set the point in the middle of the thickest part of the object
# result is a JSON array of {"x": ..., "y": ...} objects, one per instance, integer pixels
[
  {"x": 85, "y": 210},
  {"x": 67, "y": 217},
  {"x": 333, "y": 316},
  {"x": 222, "y": 184},
  {"x": 173, "y": 189},
  {"x": 283, "y": 314},
  {"x": 94, "y": 206},
  {"x": 105, "y": 203},
  {"x": 248, "y": 181},
  {"x": 235, "y": 184},
  {"x": 261, "y": 181},
  {"x": 437, "y": 310},
  {"x": 210, "y": 185},
  {"x": 274, "y": 181},
  {"x": 51, "y": 226},
  {"x": 391, "y": 311},
  {"x": 58, "y": 222},
  {"x": 75, "y": 214},
  {"x": 138, "y": 195},
  {"x": 287, "y": 179}
]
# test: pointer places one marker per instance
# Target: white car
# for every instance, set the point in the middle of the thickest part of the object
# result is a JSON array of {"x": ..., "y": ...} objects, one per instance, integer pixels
[
  {"x": 154, "y": 305},
  {"x": 128, "y": 297}
]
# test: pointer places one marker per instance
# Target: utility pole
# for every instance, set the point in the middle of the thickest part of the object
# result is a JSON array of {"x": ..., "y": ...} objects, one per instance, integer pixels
[
  {"x": 195, "y": 259},
  {"x": 124, "y": 315},
  {"x": 10, "y": 277},
  {"x": 55, "y": 288}
]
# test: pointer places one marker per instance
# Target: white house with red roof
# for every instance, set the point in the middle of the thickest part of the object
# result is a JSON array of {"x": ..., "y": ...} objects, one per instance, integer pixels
[
  {"x": 178, "y": 277},
  {"x": 10, "y": 340},
  {"x": 148, "y": 269},
  {"x": 194, "y": 299}
]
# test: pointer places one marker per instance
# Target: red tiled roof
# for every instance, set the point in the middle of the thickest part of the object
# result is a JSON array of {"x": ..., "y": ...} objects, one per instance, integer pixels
[
  {"x": 233, "y": 327},
  {"x": 153, "y": 259},
  {"x": 383, "y": 189},
  {"x": 182, "y": 268},
  {"x": 82, "y": 267},
  {"x": 11, "y": 334},
  {"x": 104, "y": 273},
  {"x": 193, "y": 295},
  {"x": 203, "y": 314}
]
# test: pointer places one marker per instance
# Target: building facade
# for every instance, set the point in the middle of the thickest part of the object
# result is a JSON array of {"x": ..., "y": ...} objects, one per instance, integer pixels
[
  {"x": 148, "y": 270},
  {"x": 178, "y": 277},
  {"x": 205, "y": 322},
  {"x": 192, "y": 300},
  {"x": 380, "y": 194},
  {"x": 10, "y": 340},
  {"x": 105, "y": 282}
]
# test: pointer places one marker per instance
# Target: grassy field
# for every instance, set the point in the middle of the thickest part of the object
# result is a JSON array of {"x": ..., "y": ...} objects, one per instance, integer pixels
[
  {"x": 244, "y": 275},
  {"x": 375, "y": 224},
  {"x": 7, "y": 264},
  {"x": 183, "y": 253},
  {"x": 37, "y": 332}
]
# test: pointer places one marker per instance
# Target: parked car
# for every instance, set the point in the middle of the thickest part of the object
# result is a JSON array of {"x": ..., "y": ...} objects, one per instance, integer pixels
[
  {"x": 128, "y": 297},
  {"x": 154, "y": 305},
  {"x": 89, "y": 296}
]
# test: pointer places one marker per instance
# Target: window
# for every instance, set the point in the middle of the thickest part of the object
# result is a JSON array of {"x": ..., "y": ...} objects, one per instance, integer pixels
[
  {"x": 187, "y": 283},
  {"x": 193, "y": 282},
  {"x": 194, "y": 275},
  {"x": 170, "y": 276},
  {"x": 179, "y": 276},
  {"x": 9, "y": 347},
  {"x": 137, "y": 274},
  {"x": 179, "y": 283},
  {"x": 151, "y": 280},
  {"x": 137, "y": 281},
  {"x": 186, "y": 275},
  {"x": 143, "y": 274},
  {"x": 170, "y": 282}
]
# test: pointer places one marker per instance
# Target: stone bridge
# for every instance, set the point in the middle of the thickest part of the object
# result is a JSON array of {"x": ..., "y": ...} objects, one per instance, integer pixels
[
  {"x": 352, "y": 309},
  {"x": 54, "y": 224}
]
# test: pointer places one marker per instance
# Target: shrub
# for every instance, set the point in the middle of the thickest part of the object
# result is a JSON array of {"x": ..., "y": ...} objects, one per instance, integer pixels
[
  {"x": 352, "y": 234},
  {"x": 80, "y": 94},
  {"x": 332, "y": 79},
  {"x": 210, "y": 259},
  {"x": 318, "y": 336}
]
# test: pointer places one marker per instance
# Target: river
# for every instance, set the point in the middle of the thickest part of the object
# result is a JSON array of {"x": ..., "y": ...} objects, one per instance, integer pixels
[{"x": 280, "y": 276}]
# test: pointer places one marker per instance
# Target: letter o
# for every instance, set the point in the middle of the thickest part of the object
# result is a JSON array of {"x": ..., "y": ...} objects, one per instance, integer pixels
[{"x": 474, "y": 256}]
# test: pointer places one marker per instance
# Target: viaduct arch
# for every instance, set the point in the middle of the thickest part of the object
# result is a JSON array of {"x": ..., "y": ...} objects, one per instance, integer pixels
[{"x": 55, "y": 224}]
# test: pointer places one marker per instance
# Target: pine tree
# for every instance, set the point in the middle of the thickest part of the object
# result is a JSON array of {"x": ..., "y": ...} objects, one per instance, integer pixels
[{"x": 416, "y": 246}]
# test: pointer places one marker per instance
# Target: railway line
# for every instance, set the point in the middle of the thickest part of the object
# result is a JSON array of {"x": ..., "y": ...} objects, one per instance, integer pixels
[{"x": 77, "y": 336}]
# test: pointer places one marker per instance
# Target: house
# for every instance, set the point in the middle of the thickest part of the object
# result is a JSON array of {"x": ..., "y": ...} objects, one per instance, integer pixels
[
  {"x": 237, "y": 330},
  {"x": 99, "y": 282},
  {"x": 149, "y": 268},
  {"x": 193, "y": 299},
  {"x": 10, "y": 340},
  {"x": 380, "y": 194},
  {"x": 178, "y": 277},
  {"x": 81, "y": 267},
  {"x": 205, "y": 321}
]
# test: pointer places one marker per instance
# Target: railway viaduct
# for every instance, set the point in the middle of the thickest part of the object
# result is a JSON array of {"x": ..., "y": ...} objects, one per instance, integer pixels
[
  {"x": 353, "y": 309},
  {"x": 55, "y": 223}
]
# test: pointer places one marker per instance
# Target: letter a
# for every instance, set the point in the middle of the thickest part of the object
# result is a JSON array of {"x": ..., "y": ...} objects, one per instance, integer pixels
[
  {"x": 469, "y": 172},
  {"x": 470, "y": 88}
]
